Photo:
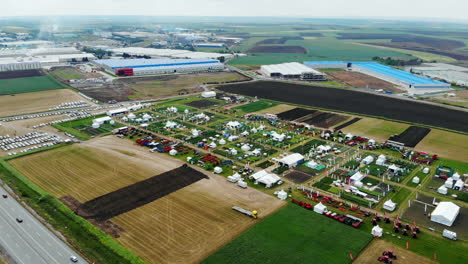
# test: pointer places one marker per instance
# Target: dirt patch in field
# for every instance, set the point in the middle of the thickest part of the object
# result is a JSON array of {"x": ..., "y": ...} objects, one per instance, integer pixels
[
  {"x": 377, "y": 247},
  {"x": 107, "y": 226},
  {"x": 278, "y": 49},
  {"x": 350, "y": 122},
  {"x": 298, "y": 176},
  {"x": 139, "y": 194},
  {"x": 20, "y": 74},
  {"x": 411, "y": 136},
  {"x": 190, "y": 224},
  {"x": 295, "y": 113},
  {"x": 325, "y": 120},
  {"x": 357, "y": 79},
  {"x": 202, "y": 103},
  {"x": 282, "y": 40},
  {"x": 354, "y": 102}
]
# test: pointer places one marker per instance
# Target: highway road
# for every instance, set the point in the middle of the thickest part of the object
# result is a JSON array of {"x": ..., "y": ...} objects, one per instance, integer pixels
[{"x": 30, "y": 242}]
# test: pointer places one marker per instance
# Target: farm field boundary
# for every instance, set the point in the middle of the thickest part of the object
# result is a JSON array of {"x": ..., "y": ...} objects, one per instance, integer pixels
[
  {"x": 353, "y": 102},
  {"x": 29, "y": 84}
]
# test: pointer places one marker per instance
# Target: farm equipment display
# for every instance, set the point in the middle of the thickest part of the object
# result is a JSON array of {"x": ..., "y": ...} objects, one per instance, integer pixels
[{"x": 253, "y": 214}]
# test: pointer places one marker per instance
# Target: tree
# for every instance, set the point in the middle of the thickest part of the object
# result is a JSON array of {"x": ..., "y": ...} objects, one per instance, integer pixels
[
  {"x": 221, "y": 59},
  {"x": 126, "y": 55}
]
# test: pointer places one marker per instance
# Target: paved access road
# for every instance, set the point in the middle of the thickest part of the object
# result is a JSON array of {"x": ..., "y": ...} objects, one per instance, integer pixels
[{"x": 30, "y": 242}]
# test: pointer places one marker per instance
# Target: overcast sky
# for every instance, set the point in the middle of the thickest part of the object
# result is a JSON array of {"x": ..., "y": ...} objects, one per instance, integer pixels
[{"x": 451, "y": 9}]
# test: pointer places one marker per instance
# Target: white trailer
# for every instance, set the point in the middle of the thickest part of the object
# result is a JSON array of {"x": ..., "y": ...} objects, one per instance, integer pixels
[{"x": 449, "y": 234}]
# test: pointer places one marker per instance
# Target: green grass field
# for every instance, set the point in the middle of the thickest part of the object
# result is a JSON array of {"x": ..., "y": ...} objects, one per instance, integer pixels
[
  {"x": 29, "y": 84},
  {"x": 294, "y": 235},
  {"x": 256, "y": 106},
  {"x": 323, "y": 48},
  {"x": 69, "y": 74},
  {"x": 81, "y": 128}
]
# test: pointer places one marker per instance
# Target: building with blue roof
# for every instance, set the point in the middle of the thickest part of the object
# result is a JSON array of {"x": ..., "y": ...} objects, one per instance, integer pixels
[
  {"x": 129, "y": 67},
  {"x": 407, "y": 80}
]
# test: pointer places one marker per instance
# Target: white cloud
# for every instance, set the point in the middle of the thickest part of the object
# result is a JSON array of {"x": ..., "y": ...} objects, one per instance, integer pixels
[{"x": 453, "y": 9}]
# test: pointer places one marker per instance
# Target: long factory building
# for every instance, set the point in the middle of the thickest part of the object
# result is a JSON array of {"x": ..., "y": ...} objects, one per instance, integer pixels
[
  {"x": 410, "y": 82},
  {"x": 292, "y": 70},
  {"x": 130, "y": 67}
]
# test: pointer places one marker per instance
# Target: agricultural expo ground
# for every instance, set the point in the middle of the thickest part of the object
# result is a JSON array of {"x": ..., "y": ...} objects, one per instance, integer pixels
[
  {"x": 354, "y": 102},
  {"x": 24, "y": 103},
  {"x": 189, "y": 224}
]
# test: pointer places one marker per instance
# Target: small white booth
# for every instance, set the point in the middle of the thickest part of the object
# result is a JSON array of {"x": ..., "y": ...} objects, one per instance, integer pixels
[
  {"x": 377, "y": 231},
  {"x": 320, "y": 208},
  {"x": 389, "y": 205},
  {"x": 282, "y": 195}
]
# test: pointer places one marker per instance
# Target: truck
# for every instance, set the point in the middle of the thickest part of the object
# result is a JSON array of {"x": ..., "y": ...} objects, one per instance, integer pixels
[
  {"x": 449, "y": 234},
  {"x": 252, "y": 214}
]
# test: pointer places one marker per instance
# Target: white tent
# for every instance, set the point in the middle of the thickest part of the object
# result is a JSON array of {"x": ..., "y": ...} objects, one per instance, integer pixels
[
  {"x": 292, "y": 160},
  {"x": 389, "y": 205},
  {"x": 208, "y": 94},
  {"x": 442, "y": 190},
  {"x": 357, "y": 177},
  {"x": 448, "y": 183},
  {"x": 416, "y": 179},
  {"x": 269, "y": 180},
  {"x": 173, "y": 152},
  {"x": 320, "y": 208},
  {"x": 218, "y": 170},
  {"x": 282, "y": 195},
  {"x": 377, "y": 231},
  {"x": 368, "y": 160},
  {"x": 445, "y": 213}
]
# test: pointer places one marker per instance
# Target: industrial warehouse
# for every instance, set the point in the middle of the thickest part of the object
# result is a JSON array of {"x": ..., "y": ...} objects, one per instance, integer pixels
[
  {"x": 172, "y": 53},
  {"x": 138, "y": 67},
  {"x": 408, "y": 81},
  {"x": 29, "y": 59},
  {"x": 292, "y": 70}
]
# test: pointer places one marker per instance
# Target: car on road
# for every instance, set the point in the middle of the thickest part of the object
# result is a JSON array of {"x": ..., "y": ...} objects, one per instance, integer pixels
[
  {"x": 74, "y": 259},
  {"x": 4, "y": 196},
  {"x": 19, "y": 220}
]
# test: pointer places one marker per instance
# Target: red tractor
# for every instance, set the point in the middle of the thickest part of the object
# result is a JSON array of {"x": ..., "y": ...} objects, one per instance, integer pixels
[{"x": 385, "y": 259}]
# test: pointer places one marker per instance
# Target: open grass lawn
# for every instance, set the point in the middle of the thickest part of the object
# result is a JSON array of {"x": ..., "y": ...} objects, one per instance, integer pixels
[
  {"x": 377, "y": 129},
  {"x": 256, "y": 106},
  {"x": 29, "y": 84},
  {"x": 82, "y": 129},
  {"x": 323, "y": 48},
  {"x": 294, "y": 235},
  {"x": 446, "y": 144}
]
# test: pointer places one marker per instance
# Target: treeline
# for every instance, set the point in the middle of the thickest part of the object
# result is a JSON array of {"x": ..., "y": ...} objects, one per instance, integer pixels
[{"x": 397, "y": 62}]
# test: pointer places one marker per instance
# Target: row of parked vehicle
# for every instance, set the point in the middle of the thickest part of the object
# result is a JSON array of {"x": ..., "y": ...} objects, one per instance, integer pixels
[
  {"x": 347, "y": 219},
  {"x": 69, "y": 105}
]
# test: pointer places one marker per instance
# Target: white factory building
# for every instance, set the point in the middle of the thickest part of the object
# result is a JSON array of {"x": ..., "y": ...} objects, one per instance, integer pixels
[
  {"x": 160, "y": 66},
  {"x": 172, "y": 53},
  {"x": 442, "y": 71},
  {"x": 292, "y": 70},
  {"x": 12, "y": 59},
  {"x": 37, "y": 62}
]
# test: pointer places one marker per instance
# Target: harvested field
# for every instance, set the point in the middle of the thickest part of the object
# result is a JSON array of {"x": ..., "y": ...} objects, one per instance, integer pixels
[
  {"x": 295, "y": 113},
  {"x": 416, "y": 47},
  {"x": 278, "y": 49},
  {"x": 36, "y": 101},
  {"x": 350, "y": 122},
  {"x": 29, "y": 84},
  {"x": 357, "y": 79},
  {"x": 298, "y": 176},
  {"x": 411, "y": 136},
  {"x": 377, "y": 246},
  {"x": 202, "y": 103},
  {"x": 278, "y": 40},
  {"x": 149, "y": 87},
  {"x": 140, "y": 193},
  {"x": 325, "y": 120},
  {"x": 354, "y": 102},
  {"x": 446, "y": 144},
  {"x": 438, "y": 43},
  {"x": 190, "y": 224},
  {"x": 108, "y": 162},
  {"x": 20, "y": 74}
]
